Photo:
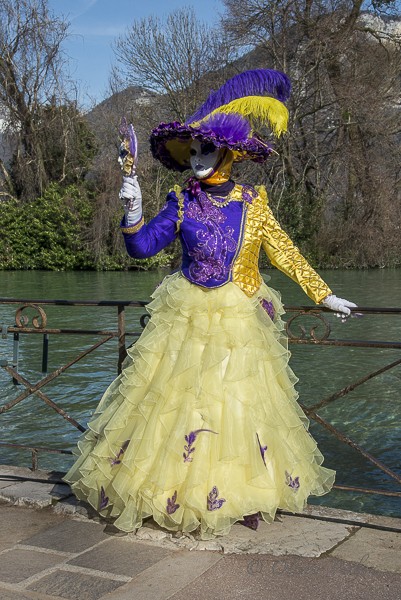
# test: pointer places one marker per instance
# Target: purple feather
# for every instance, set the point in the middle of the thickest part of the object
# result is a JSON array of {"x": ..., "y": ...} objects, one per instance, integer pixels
[
  {"x": 133, "y": 142},
  {"x": 257, "y": 82},
  {"x": 234, "y": 128}
]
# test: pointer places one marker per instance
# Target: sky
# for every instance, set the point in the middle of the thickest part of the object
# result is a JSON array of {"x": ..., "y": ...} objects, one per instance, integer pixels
[{"x": 94, "y": 25}]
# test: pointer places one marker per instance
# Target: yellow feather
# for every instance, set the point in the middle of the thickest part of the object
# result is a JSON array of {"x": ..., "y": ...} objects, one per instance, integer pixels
[{"x": 257, "y": 109}]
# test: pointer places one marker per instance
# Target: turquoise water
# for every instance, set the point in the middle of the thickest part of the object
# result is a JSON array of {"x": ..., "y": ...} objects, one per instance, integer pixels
[{"x": 370, "y": 415}]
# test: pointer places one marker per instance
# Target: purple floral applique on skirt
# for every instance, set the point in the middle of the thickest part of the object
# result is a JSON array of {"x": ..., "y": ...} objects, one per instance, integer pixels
[
  {"x": 267, "y": 305},
  {"x": 213, "y": 501},
  {"x": 171, "y": 505}
]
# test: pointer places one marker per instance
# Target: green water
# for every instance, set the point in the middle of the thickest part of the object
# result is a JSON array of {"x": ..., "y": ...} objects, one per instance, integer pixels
[{"x": 370, "y": 415}]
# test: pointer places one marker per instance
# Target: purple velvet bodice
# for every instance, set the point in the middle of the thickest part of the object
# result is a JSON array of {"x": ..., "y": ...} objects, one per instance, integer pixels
[{"x": 210, "y": 237}]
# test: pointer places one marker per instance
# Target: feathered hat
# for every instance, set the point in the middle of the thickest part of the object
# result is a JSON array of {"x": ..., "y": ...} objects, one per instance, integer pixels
[{"x": 228, "y": 119}]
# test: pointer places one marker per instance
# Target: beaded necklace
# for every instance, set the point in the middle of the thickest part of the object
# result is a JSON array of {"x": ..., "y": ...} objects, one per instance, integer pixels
[{"x": 220, "y": 201}]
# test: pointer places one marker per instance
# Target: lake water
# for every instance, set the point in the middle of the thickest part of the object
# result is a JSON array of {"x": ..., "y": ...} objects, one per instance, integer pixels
[{"x": 370, "y": 415}]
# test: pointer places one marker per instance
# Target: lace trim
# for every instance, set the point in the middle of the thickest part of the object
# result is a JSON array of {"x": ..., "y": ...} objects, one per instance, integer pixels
[{"x": 180, "y": 213}]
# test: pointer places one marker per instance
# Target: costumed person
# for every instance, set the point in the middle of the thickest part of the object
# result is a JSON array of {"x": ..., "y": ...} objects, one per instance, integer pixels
[{"x": 202, "y": 428}]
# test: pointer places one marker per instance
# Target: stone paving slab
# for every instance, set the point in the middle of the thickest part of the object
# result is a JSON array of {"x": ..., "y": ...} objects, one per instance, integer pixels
[
  {"x": 17, "y": 564},
  {"x": 69, "y": 536},
  {"x": 339, "y": 514},
  {"x": 120, "y": 557},
  {"x": 167, "y": 577},
  {"x": 70, "y": 506},
  {"x": 28, "y": 493},
  {"x": 74, "y": 586},
  {"x": 24, "y": 472},
  {"x": 12, "y": 594},
  {"x": 18, "y": 524},
  {"x": 289, "y": 578},
  {"x": 372, "y": 548},
  {"x": 31, "y": 488},
  {"x": 4, "y": 483},
  {"x": 302, "y": 537}
]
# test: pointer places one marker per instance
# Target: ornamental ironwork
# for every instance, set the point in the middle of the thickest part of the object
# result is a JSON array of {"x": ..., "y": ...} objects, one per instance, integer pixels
[
  {"x": 39, "y": 321},
  {"x": 305, "y": 325}
]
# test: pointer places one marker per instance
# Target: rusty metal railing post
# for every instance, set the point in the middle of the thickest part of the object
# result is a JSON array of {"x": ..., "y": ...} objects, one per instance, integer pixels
[
  {"x": 122, "y": 351},
  {"x": 15, "y": 354},
  {"x": 45, "y": 352},
  {"x": 34, "y": 459}
]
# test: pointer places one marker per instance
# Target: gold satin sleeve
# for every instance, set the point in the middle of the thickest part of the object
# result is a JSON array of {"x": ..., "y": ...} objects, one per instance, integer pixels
[
  {"x": 245, "y": 273},
  {"x": 284, "y": 255}
]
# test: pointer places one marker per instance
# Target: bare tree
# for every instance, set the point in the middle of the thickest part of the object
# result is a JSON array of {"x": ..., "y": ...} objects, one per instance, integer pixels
[
  {"x": 173, "y": 57},
  {"x": 342, "y": 152},
  {"x": 33, "y": 98}
]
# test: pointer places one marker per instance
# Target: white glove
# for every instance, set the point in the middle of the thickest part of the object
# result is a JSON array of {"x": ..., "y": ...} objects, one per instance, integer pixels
[
  {"x": 341, "y": 306},
  {"x": 131, "y": 196}
]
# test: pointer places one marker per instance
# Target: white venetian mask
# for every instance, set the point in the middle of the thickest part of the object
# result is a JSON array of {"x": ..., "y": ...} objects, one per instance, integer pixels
[{"x": 203, "y": 158}]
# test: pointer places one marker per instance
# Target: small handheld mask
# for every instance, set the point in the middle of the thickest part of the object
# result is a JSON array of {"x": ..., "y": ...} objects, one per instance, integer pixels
[{"x": 128, "y": 148}]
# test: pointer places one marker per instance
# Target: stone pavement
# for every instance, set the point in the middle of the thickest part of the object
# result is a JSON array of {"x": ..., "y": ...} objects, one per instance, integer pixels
[{"x": 51, "y": 548}]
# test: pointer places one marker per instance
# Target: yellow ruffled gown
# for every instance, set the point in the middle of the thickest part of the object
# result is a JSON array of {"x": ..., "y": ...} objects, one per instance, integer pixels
[{"x": 202, "y": 427}]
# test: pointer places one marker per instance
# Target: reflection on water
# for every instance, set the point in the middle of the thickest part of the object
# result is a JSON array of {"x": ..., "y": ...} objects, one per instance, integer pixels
[{"x": 371, "y": 414}]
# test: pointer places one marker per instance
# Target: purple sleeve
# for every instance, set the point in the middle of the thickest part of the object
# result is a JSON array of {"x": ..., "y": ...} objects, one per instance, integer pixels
[{"x": 155, "y": 235}]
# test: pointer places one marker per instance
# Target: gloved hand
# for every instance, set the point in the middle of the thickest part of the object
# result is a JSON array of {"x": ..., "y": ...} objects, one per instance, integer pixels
[
  {"x": 131, "y": 196},
  {"x": 341, "y": 306}
]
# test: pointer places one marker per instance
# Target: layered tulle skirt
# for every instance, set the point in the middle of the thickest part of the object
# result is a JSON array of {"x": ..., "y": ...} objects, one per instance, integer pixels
[{"x": 202, "y": 427}]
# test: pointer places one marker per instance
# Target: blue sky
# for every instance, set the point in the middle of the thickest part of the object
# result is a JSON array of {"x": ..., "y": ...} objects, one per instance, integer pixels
[{"x": 94, "y": 24}]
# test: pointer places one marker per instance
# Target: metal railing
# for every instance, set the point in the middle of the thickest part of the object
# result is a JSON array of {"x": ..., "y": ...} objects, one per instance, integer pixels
[{"x": 317, "y": 333}]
